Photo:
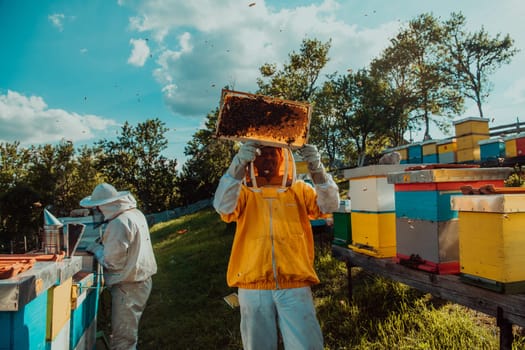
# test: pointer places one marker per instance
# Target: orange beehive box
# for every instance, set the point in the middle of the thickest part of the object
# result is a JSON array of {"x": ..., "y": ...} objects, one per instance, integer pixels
[{"x": 267, "y": 120}]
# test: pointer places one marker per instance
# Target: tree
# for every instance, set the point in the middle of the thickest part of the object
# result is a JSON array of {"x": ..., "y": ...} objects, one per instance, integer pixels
[
  {"x": 50, "y": 175},
  {"x": 209, "y": 159},
  {"x": 472, "y": 57},
  {"x": 324, "y": 127},
  {"x": 297, "y": 80},
  {"x": 360, "y": 112},
  {"x": 432, "y": 91},
  {"x": 135, "y": 162},
  {"x": 19, "y": 217},
  {"x": 13, "y": 165}
]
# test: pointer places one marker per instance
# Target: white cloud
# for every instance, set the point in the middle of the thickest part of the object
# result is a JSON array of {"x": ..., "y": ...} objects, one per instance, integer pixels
[
  {"x": 29, "y": 120},
  {"x": 83, "y": 50},
  {"x": 57, "y": 19},
  {"x": 139, "y": 53},
  {"x": 204, "y": 45}
]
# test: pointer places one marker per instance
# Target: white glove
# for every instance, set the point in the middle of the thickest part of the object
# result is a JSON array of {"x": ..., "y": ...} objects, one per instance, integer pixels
[
  {"x": 97, "y": 250},
  {"x": 310, "y": 155},
  {"x": 246, "y": 154}
]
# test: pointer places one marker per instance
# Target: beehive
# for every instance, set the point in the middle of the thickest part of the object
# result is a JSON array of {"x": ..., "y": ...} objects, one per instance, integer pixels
[
  {"x": 58, "y": 309},
  {"x": 342, "y": 229},
  {"x": 403, "y": 151},
  {"x": 373, "y": 210},
  {"x": 470, "y": 141},
  {"x": 83, "y": 313},
  {"x": 510, "y": 146},
  {"x": 471, "y": 125},
  {"x": 429, "y": 151},
  {"x": 447, "y": 151},
  {"x": 491, "y": 240},
  {"x": 415, "y": 153},
  {"x": 470, "y": 155},
  {"x": 491, "y": 149},
  {"x": 426, "y": 227},
  {"x": 520, "y": 144},
  {"x": 267, "y": 120},
  {"x": 25, "y": 328}
]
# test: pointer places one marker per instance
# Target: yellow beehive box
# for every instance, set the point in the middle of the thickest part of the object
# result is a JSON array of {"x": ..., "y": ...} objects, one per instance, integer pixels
[
  {"x": 472, "y": 125},
  {"x": 510, "y": 146},
  {"x": 403, "y": 151},
  {"x": 446, "y": 146},
  {"x": 58, "y": 308},
  {"x": 491, "y": 239},
  {"x": 468, "y": 155},
  {"x": 469, "y": 141},
  {"x": 374, "y": 234},
  {"x": 429, "y": 147}
]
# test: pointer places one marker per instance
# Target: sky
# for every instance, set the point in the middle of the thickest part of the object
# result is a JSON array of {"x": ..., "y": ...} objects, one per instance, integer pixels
[{"x": 78, "y": 70}]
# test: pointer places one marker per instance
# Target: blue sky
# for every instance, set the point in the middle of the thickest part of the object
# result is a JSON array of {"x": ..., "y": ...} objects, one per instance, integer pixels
[{"x": 77, "y": 70}]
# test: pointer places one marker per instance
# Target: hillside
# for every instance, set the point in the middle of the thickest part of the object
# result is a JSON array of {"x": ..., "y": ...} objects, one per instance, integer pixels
[{"x": 187, "y": 311}]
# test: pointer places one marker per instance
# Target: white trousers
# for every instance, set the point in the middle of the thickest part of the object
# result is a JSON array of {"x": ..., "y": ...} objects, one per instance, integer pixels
[
  {"x": 290, "y": 310},
  {"x": 128, "y": 301}
]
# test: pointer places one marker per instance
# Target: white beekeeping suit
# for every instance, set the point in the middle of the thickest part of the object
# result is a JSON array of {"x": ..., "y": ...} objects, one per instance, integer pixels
[{"x": 126, "y": 254}]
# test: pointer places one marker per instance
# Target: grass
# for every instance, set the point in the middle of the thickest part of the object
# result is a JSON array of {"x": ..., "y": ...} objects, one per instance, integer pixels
[{"x": 186, "y": 309}]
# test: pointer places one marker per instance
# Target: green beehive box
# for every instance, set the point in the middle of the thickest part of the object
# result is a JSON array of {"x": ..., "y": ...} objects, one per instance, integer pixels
[{"x": 342, "y": 229}]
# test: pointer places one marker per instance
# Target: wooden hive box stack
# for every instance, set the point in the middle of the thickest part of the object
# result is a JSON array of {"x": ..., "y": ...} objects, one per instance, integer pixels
[
  {"x": 373, "y": 210},
  {"x": 492, "y": 243},
  {"x": 469, "y": 132},
  {"x": 426, "y": 227}
]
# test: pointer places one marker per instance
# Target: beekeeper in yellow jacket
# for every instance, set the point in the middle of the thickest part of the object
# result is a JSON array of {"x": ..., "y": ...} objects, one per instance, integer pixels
[
  {"x": 126, "y": 254},
  {"x": 272, "y": 256}
]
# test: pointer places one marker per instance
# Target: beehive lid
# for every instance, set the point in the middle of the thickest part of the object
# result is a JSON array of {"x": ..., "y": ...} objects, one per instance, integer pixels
[
  {"x": 488, "y": 141},
  {"x": 470, "y": 119},
  {"x": 449, "y": 174},
  {"x": 373, "y": 170},
  {"x": 267, "y": 120},
  {"x": 493, "y": 203}
]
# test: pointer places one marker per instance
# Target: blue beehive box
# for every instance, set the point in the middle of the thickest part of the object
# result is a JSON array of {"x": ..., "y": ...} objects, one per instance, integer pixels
[
  {"x": 415, "y": 153},
  {"x": 491, "y": 149}
]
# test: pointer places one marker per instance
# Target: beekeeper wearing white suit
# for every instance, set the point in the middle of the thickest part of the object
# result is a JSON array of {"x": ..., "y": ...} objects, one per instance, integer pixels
[{"x": 126, "y": 254}]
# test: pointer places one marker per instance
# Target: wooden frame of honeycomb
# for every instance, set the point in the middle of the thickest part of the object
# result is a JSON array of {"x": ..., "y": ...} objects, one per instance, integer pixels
[{"x": 267, "y": 120}]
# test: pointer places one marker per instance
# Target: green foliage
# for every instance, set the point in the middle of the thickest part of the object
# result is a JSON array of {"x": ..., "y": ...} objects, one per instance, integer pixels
[
  {"x": 13, "y": 164},
  {"x": 209, "y": 159},
  {"x": 20, "y": 216},
  {"x": 135, "y": 162},
  {"x": 297, "y": 80},
  {"x": 186, "y": 309}
]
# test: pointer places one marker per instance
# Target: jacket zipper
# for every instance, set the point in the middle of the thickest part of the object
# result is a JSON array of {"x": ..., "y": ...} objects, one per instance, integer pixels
[{"x": 274, "y": 264}]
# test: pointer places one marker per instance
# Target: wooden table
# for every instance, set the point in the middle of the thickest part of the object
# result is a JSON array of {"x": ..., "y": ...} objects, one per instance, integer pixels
[{"x": 508, "y": 309}]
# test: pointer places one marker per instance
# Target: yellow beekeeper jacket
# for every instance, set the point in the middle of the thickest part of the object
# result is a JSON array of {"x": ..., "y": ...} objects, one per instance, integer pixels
[{"x": 273, "y": 247}]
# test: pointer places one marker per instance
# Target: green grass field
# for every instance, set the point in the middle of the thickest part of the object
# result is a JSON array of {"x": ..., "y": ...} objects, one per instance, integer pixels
[{"x": 187, "y": 311}]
